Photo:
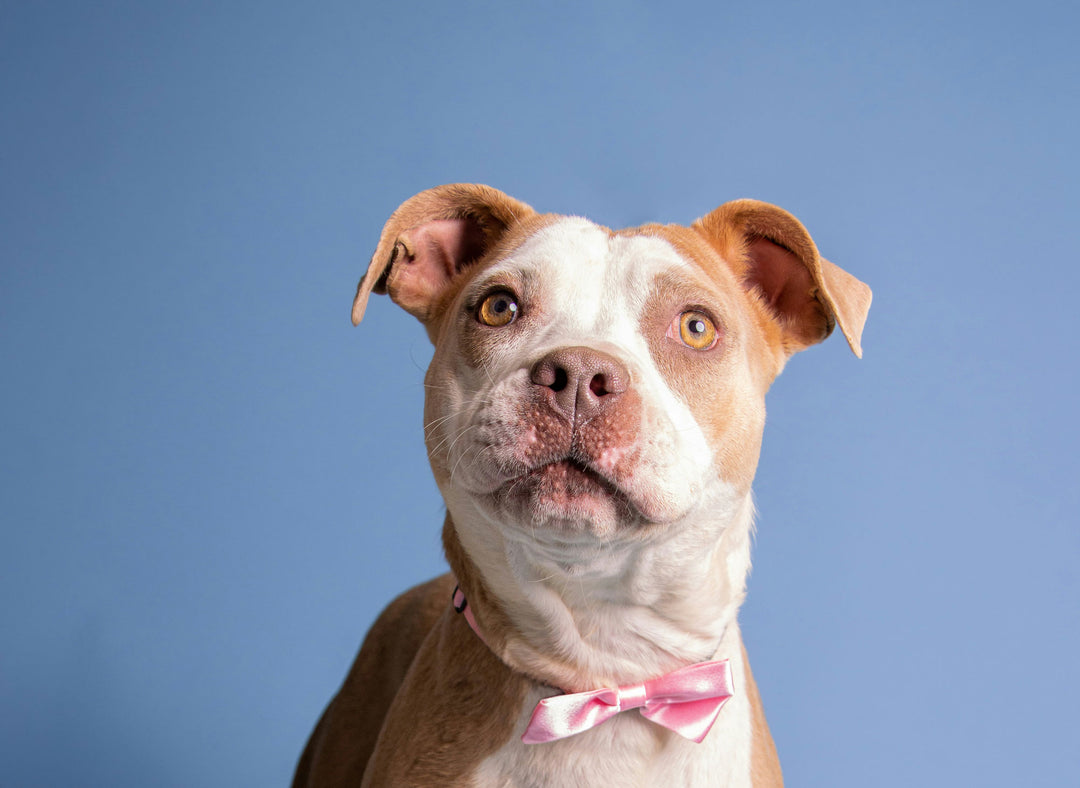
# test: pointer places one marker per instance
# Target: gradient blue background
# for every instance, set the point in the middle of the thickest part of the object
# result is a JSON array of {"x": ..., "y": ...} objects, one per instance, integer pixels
[{"x": 211, "y": 483}]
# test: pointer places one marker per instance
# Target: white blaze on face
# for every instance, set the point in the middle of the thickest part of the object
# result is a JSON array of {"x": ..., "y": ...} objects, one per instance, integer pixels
[
  {"x": 591, "y": 289},
  {"x": 594, "y": 285}
]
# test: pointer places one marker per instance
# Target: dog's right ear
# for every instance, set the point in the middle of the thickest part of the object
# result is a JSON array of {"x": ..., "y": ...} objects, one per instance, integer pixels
[
  {"x": 430, "y": 239},
  {"x": 776, "y": 258}
]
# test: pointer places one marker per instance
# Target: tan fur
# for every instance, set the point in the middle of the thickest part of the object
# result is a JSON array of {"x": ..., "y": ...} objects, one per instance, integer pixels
[
  {"x": 733, "y": 421},
  {"x": 345, "y": 736},
  {"x": 426, "y": 700},
  {"x": 420, "y": 665},
  {"x": 456, "y": 706}
]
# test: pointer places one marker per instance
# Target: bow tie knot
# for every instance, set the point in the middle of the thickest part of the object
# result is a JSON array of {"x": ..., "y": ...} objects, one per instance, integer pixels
[{"x": 632, "y": 697}]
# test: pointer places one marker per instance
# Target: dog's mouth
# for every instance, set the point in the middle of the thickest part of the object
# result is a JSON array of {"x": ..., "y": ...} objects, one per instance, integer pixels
[
  {"x": 571, "y": 477},
  {"x": 570, "y": 494}
]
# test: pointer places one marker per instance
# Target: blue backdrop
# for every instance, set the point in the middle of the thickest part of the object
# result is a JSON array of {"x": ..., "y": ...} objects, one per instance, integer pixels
[{"x": 211, "y": 483}]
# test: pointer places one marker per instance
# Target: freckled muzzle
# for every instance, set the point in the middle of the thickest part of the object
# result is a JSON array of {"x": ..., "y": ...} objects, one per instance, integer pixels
[{"x": 571, "y": 439}]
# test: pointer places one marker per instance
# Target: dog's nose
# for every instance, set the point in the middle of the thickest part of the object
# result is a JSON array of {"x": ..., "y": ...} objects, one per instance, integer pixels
[{"x": 579, "y": 381}]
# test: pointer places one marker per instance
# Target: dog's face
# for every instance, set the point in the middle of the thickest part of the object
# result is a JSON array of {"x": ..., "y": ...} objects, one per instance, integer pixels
[
  {"x": 587, "y": 383},
  {"x": 595, "y": 407}
]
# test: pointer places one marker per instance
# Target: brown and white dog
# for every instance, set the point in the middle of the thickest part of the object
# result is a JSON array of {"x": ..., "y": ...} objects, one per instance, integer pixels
[{"x": 593, "y": 418}]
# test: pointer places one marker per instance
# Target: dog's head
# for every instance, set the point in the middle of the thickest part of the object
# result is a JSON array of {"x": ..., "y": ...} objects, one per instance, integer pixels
[
  {"x": 597, "y": 387},
  {"x": 598, "y": 380}
]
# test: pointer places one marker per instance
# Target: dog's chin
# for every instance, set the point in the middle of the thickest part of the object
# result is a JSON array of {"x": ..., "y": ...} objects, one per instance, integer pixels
[{"x": 567, "y": 496}]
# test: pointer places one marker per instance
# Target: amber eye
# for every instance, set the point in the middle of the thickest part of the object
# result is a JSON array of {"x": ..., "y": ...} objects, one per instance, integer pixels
[
  {"x": 498, "y": 309},
  {"x": 697, "y": 330}
]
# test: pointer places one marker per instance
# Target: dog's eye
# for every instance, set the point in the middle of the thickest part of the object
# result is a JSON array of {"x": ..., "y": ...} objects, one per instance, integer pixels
[
  {"x": 498, "y": 309},
  {"x": 696, "y": 330}
]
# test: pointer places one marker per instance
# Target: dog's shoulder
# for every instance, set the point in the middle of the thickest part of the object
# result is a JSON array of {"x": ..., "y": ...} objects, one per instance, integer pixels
[
  {"x": 765, "y": 764},
  {"x": 343, "y": 740}
]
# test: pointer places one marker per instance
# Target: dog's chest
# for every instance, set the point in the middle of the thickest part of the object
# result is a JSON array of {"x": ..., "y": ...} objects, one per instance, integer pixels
[{"x": 628, "y": 750}]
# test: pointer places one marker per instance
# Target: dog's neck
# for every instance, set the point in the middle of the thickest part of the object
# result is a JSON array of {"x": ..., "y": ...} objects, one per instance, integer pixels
[{"x": 576, "y": 612}]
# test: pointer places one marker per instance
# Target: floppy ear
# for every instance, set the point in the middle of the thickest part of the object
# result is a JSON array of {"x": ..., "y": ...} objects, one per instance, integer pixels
[
  {"x": 431, "y": 238},
  {"x": 775, "y": 256}
]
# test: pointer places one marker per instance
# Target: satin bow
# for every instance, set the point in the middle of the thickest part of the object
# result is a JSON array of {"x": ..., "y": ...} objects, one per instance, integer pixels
[{"x": 686, "y": 701}]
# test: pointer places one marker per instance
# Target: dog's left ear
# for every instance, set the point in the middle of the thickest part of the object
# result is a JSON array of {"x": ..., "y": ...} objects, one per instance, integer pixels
[
  {"x": 774, "y": 255},
  {"x": 430, "y": 239}
]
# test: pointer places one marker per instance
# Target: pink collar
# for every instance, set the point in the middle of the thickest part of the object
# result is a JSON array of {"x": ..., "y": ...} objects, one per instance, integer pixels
[{"x": 687, "y": 700}]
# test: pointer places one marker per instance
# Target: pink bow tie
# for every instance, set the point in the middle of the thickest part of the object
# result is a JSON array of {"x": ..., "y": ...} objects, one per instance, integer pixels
[{"x": 687, "y": 700}]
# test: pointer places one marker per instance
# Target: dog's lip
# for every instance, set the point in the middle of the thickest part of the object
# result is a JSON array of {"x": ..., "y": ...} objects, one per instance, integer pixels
[
  {"x": 604, "y": 481},
  {"x": 573, "y": 463}
]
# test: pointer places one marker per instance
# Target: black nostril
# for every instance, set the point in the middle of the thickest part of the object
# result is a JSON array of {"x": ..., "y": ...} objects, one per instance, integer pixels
[{"x": 561, "y": 379}]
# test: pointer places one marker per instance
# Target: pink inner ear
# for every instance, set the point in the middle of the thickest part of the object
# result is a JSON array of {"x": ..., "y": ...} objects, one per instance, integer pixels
[
  {"x": 435, "y": 252},
  {"x": 447, "y": 244},
  {"x": 788, "y": 286}
]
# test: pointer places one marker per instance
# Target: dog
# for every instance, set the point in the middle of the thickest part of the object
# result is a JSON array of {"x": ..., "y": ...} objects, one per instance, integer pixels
[{"x": 593, "y": 419}]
